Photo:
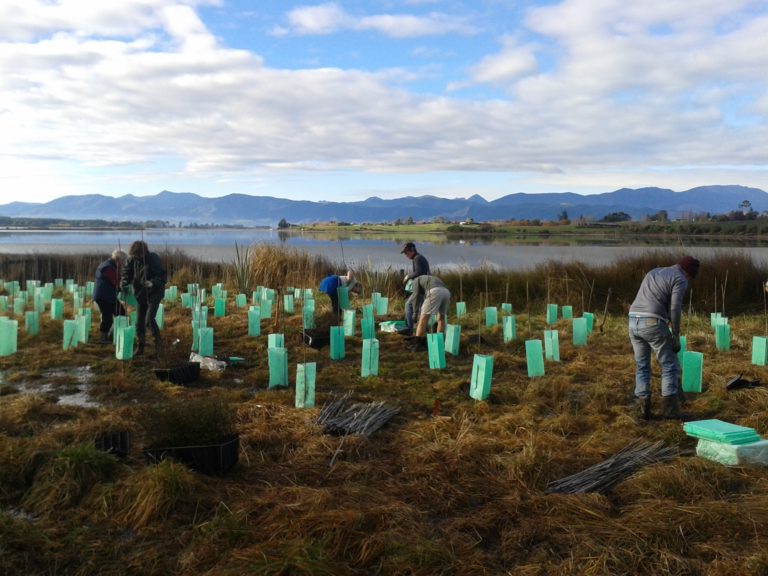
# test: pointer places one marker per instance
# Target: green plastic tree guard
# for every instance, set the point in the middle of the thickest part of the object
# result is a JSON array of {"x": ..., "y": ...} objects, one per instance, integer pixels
[
  {"x": 759, "y": 350},
  {"x": 70, "y": 334},
  {"x": 19, "y": 305},
  {"x": 256, "y": 296},
  {"x": 723, "y": 337},
  {"x": 200, "y": 315},
  {"x": 534, "y": 358},
  {"x": 127, "y": 296},
  {"x": 216, "y": 290},
  {"x": 38, "y": 301},
  {"x": 368, "y": 315},
  {"x": 77, "y": 301},
  {"x": 119, "y": 322},
  {"x": 342, "y": 292},
  {"x": 186, "y": 300},
  {"x": 219, "y": 308},
  {"x": 160, "y": 316},
  {"x": 506, "y": 308},
  {"x": 693, "y": 364},
  {"x": 305, "y": 384},
  {"x": 83, "y": 328},
  {"x": 367, "y": 328},
  {"x": 58, "y": 282},
  {"x": 266, "y": 307},
  {"x": 683, "y": 345},
  {"x": 3, "y": 303},
  {"x": 370, "y": 361},
  {"x": 254, "y": 321},
  {"x": 349, "y": 322},
  {"x": 278, "y": 367},
  {"x": 551, "y": 316},
  {"x": 509, "y": 328},
  {"x": 57, "y": 309},
  {"x": 193, "y": 288},
  {"x": 276, "y": 341},
  {"x": 491, "y": 316},
  {"x": 288, "y": 303},
  {"x": 126, "y": 335},
  {"x": 298, "y": 293},
  {"x": 8, "y": 336},
  {"x": 566, "y": 312},
  {"x": 461, "y": 309},
  {"x": 436, "y": 349},
  {"x": 580, "y": 331},
  {"x": 31, "y": 322},
  {"x": 196, "y": 336},
  {"x": 241, "y": 301},
  {"x": 308, "y": 315},
  {"x": 482, "y": 372},
  {"x": 452, "y": 338},
  {"x": 382, "y": 306},
  {"x": 269, "y": 294},
  {"x": 551, "y": 345},
  {"x": 590, "y": 321},
  {"x": 132, "y": 316},
  {"x": 337, "y": 342},
  {"x": 713, "y": 318},
  {"x": 308, "y": 295},
  {"x": 206, "y": 341}
]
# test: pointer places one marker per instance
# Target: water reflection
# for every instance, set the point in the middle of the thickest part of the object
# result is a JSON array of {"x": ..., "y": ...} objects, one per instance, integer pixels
[{"x": 382, "y": 250}]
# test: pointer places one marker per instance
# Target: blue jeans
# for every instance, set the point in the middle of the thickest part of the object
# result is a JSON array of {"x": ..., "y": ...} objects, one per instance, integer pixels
[{"x": 652, "y": 334}]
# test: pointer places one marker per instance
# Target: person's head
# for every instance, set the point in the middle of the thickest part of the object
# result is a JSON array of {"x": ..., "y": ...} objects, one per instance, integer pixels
[
  {"x": 690, "y": 266},
  {"x": 119, "y": 256},
  {"x": 138, "y": 249},
  {"x": 409, "y": 250}
]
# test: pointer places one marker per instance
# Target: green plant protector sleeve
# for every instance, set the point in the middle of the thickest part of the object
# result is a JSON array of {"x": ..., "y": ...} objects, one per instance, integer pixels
[
  {"x": 436, "y": 349},
  {"x": 241, "y": 300},
  {"x": 693, "y": 364},
  {"x": 534, "y": 358},
  {"x": 206, "y": 341},
  {"x": 288, "y": 303},
  {"x": 309, "y": 304},
  {"x": 308, "y": 315},
  {"x": 132, "y": 316},
  {"x": 713, "y": 318},
  {"x": 186, "y": 300},
  {"x": 39, "y": 301},
  {"x": 452, "y": 339},
  {"x": 382, "y": 306},
  {"x": 580, "y": 331},
  {"x": 305, "y": 384},
  {"x": 551, "y": 345},
  {"x": 590, "y": 318},
  {"x": 482, "y": 373},
  {"x": 276, "y": 341},
  {"x": 254, "y": 321},
  {"x": 219, "y": 308},
  {"x": 342, "y": 292},
  {"x": 461, "y": 309},
  {"x": 723, "y": 337},
  {"x": 368, "y": 314},
  {"x": 759, "y": 350},
  {"x": 195, "y": 336},
  {"x": 160, "y": 316},
  {"x": 3, "y": 303},
  {"x": 266, "y": 307},
  {"x": 491, "y": 316},
  {"x": 509, "y": 328},
  {"x": 683, "y": 345},
  {"x": 19, "y": 304},
  {"x": 367, "y": 328},
  {"x": 58, "y": 282},
  {"x": 370, "y": 361},
  {"x": 70, "y": 334},
  {"x": 126, "y": 336},
  {"x": 349, "y": 322},
  {"x": 337, "y": 342},
  {"x": 8, "y": 336},
  {"x": 32, "y": 322},
  {"x": 278, "y": 367},
  {"x": 119, "y": 322},
  {"x": 551, "y": 314},
  {"x": 83, "y": 328},
  {"x": 506, "y": 308},
  {"x": 200, "y": 315}
]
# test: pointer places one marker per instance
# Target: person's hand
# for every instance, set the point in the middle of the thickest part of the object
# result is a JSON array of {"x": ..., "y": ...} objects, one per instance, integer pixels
[
  {"x": 676, "y": 344},
  {"x": 148, "y": 284},
  {"x": 765, "y": 286},
  {"x": 405, "y": 279}
]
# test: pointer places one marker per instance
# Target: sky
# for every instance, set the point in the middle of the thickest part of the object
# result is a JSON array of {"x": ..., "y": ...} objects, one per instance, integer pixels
[{"x": 345, "y": 100}]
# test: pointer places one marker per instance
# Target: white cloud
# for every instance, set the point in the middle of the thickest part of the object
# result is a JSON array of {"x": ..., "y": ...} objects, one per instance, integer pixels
[
  {"x": 330, "y": 18},
  {"x": 513, "y": 62}
]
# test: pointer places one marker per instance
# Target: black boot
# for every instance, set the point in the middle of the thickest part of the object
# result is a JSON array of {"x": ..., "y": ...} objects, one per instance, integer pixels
[
  {"x": 158, "y": 345},
  {"x": 105, "y": 339},
  {"x": 140, "y": 348},
  {"x": 418, "y": 344},
  {"x": 671, "y": 410},
  {"x": 643, "y": 406}
]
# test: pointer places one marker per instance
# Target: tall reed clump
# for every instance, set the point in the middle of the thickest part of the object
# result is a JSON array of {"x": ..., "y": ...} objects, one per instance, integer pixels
[
  {"x": 242, "y": 269},
  {"x": 279, "y": 266},
  {"x": 69, "y": 476}
]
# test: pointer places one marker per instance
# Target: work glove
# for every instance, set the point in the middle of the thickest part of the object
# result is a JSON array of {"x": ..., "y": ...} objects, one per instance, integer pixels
[
  {"x": 676, "y": 344},
  {"x": 405, "y": 279},
  {"x": 148, "y": 284}
]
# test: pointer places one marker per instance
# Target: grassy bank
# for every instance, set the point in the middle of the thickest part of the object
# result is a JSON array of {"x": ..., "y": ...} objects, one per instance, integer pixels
[{"x": 450, "y": 486}]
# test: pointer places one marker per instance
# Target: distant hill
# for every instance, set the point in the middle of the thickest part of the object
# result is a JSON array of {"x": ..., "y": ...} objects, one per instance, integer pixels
[{"x": 242, "y": 209}]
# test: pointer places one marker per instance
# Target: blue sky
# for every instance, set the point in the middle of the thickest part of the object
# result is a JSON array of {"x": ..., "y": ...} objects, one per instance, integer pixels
[{"x": 350, "y": 99}]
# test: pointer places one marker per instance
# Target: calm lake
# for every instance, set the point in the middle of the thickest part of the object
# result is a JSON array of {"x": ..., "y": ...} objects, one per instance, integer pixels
[{"x": 377, "y": 250}]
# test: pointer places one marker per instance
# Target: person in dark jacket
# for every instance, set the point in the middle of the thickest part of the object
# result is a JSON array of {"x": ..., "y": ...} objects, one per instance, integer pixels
[
  {"x": 105, "y": 292},
  {"x": 420, "y": 266},
  {"x": 145, "y": 272},
  {"x": 330, "y": 285}
]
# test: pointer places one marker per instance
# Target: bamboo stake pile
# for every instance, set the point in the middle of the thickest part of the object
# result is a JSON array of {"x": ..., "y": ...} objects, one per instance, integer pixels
[
  {"x": 603, "y": 476},
  {"x": 340, "y": 419}
]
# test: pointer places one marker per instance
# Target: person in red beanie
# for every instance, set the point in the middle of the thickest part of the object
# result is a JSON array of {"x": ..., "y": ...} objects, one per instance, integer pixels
[{"x": 654, "y": 325}]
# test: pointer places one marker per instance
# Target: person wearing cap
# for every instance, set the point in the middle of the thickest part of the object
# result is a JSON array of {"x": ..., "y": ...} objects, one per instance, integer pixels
[
  {"x": 435, "y": 299},
  {"x": 654, "y": 325},
  {"x": 105, "y": 292},
  {"x": 419, "y": 267},
  {"x": 330, "y": 285}
]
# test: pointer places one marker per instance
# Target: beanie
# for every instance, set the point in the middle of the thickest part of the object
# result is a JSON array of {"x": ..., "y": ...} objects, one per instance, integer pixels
[{"x": 690, "y": 265}]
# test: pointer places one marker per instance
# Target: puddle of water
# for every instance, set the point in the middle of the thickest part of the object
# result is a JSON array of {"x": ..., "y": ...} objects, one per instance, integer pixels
[{"x": 72, "y": 389}]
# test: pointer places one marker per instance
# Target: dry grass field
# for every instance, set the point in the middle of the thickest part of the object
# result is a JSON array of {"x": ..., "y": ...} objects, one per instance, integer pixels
[{"x": 450, "y": 485}]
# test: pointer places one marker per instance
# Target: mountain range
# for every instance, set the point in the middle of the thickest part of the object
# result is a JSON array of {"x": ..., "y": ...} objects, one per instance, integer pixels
[{"x": 245, "y": 210}]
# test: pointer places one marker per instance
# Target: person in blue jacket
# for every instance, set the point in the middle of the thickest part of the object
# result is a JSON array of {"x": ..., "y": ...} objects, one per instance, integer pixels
[
  {"x": 105, "y": 290},
  {"x": 330, "y": 285}
]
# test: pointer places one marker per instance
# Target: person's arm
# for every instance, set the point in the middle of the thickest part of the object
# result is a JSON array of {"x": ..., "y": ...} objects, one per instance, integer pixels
[
  {"x": 679, "y": 286},
  {"x": 126, "y": 278},
  {"x": 420, "y": 266}
]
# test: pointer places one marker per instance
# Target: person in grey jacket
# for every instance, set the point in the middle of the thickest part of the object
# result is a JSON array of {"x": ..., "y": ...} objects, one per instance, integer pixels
[
  {"x": 145, "y": 272},
  {"x": 420, "y": 266},
  {"x": 654, "y": 325},
  {"x": 435, "y": 297}
]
